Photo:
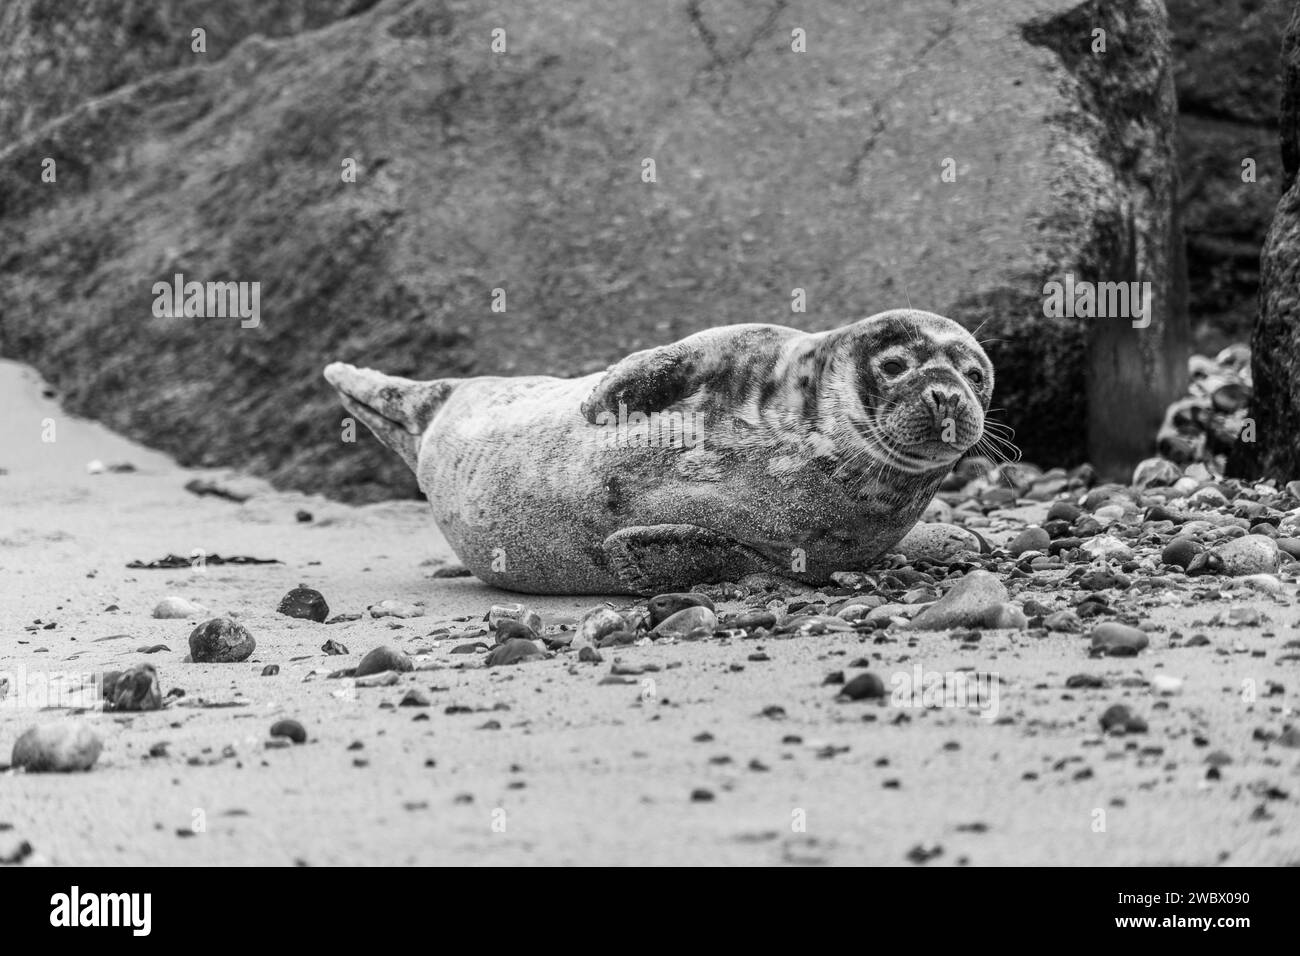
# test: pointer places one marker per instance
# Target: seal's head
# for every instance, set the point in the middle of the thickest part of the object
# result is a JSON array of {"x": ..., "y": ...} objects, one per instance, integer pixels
[{"x": 915, "y": 388}]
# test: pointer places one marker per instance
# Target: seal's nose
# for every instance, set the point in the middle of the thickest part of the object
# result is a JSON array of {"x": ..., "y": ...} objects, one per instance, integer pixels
[{"x": 944, "y": 402}]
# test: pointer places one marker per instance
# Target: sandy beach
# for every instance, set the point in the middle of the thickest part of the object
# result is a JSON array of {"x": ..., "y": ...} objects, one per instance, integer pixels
[{"x": 549, "y": 762}]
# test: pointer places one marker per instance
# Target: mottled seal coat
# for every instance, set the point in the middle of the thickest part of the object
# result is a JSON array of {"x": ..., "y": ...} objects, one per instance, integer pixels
[{"x": 809, "y": 453}]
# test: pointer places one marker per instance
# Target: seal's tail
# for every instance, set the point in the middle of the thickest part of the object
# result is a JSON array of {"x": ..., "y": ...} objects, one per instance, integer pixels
[{"x": 397, "y": 410}]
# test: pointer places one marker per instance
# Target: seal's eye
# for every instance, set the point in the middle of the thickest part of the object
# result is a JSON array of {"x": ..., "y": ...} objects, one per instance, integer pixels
[
  {"x": 893, "y": 367},
  {"x": 976, "y": 376}
]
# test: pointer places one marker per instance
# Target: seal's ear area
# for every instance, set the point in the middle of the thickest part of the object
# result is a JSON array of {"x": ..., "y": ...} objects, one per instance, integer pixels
[
  {"x": 647, "y": 381},
  {"x": 397, "y": 410}
]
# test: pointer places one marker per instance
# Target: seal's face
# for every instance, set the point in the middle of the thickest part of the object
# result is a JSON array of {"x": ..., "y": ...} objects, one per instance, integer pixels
[{"x": 923, "y": 384}]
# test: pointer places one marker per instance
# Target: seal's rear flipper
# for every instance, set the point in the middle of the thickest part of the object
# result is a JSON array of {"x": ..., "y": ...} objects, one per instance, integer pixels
[
  {"x": 397, "y": 410},
  {"x": 653, "y": 559}
]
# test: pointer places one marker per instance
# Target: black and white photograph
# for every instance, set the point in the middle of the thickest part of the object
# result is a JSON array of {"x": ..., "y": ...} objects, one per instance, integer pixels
[{"x": 650, "y": 433}]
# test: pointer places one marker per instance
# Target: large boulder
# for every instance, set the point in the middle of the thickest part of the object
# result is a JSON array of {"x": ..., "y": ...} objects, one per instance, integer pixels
[
  {"x": 522, "y": 171},
  {"x": 1228, "y": 78},
  {"x": 57, "y": 54},
  {"x": 1275, "y": 345}
]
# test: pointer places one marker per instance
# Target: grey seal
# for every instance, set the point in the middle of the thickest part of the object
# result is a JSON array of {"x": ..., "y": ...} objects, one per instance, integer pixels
[{"x": 744, "y": 449}]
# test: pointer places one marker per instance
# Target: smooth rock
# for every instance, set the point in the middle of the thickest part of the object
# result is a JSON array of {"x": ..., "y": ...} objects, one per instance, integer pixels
[
  {"x": 683, "y": 622},
  {"x": 974, "y": 601},
  {"x": 866, "y": 686},
  {"x": 664, "y": 606},
  {"x": 1180, "y": 551},
  {"x": 57, "y": 748},
  {"x": 936, "y": 542},
  {"x": 509, "y": 629},
  {"x": 221, "y": 641},
  {"x": 179, "y": 608},
  {"x": 1107, "y": 546},
  {"x": 291, "y": 729},
  {"x": 515, "y": 651},
  {"x": 1032, "y": 538},
  {"x": 1166, "y": 684},
  {"x": 383, "y": 659},
  {"x": 1111, "y": 636}
]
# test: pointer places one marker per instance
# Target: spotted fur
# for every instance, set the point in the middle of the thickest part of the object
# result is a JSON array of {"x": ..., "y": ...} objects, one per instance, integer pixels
[{"x": 818, "y": 452}]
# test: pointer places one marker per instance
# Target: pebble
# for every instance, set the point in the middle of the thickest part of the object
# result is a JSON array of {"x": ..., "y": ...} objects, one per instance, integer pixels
[
  {"x": 664, "y": 606},
  {"x": 178, "y": 607},
  {"x": 1064, "y": 511},
  {"x": 683, "y": 622},
  {"x": 383, "y": 659},
  {"x": 1165, "y": 684},
  {"x": 1032, "y": 538},
  {"x": 597, "y": 623},
  {"x": 1156, "y": 473},
  {"x": 415, "y": 698},
  {"x": 1290, "y": 546},
  {"x": 1008, "y": 616},
  {"x": 1107, "y": 546},
  {"x": 589, "y": 655},
  {"x": 334, "y": 648},
  {"x": 270, "y": 670},
  {"x": 1180, "y": 551},
  {"x": 936, "y": 542},
  {"x": 499, "y": 613},
  {"x": 291, "y": 729},
  {"x": 514, "y": 651},
  {"x": 1249, "y": 554},
  {"x": 57, "y": 748},
  {"x": 134, "y": 689},
  {"x": 509, "y": 629},
  {"x": 395, "y": 609},
  {"x": 382, "y": 679},
  {"x": 1118, "y": 639},
  {"x": 1066, "y": 620},
  {"x": 753, "y": 620},
  {"x": 974, "y": 601},
  {"x": 618, "y": 639},
  {"x": 1263, "y": 582},
  {"x": 306, "y": 603},
  {"x": 866, "y": 686},
  {"x": 1119, "y": 717},
  {"x": 221, "y": 641}
]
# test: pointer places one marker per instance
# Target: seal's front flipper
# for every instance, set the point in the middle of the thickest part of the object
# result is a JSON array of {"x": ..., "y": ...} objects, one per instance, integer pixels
[
  {"x": 723, "y": 361},
  {"x": 652, "y": 559},
  {"x": 397, "y": 410}
]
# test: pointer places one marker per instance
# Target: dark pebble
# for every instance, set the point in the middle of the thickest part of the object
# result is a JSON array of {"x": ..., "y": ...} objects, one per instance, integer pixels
[
  {"x": 291, "y": 729},
  {"x": 333, "y": 647},
  {"x": 306, "y": 603},
  {"x": 514, "y": 651},
  {"x": 863, "y": 687},
  {"x": 221, "y": 641},
  {"x": 270, "y": 670},
  {"x": 700, "y": 795},
  {"x": 1180, "y": 551},
  {"x": 664, "y": 606},
  {"x": 589, "y": 655},
  {"x": 509, "y": 629},
  {"x": 1118, "y": 716},
  {"x": 384, "y": 659},
  {"x": 415, "y": 698},
  {"x": 1063, "y": 511}
]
